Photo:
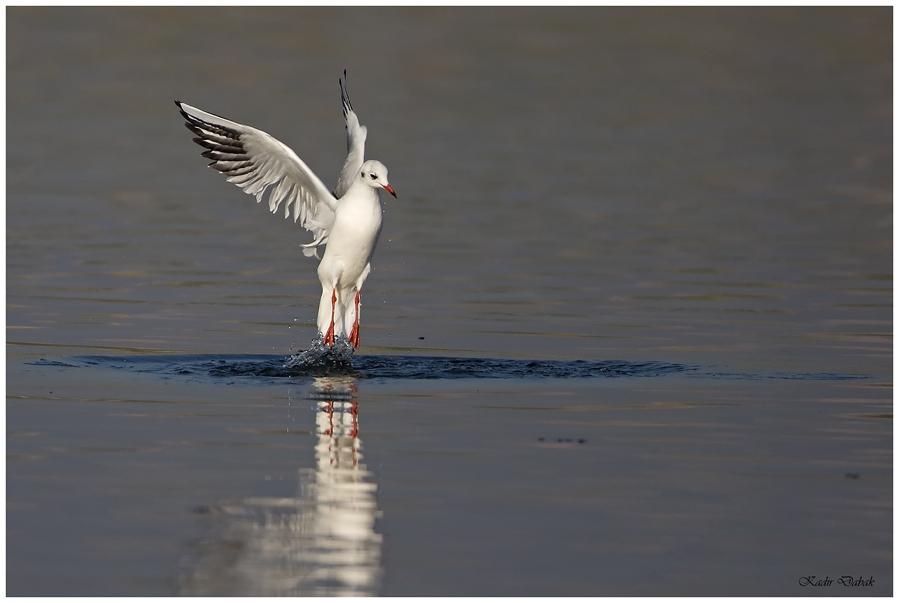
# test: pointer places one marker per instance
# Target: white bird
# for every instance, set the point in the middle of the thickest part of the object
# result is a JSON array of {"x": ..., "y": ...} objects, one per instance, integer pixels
[{"x": 346, "y": 222}]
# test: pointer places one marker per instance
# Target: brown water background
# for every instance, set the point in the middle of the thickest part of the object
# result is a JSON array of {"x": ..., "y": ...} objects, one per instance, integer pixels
[{"x": 710, "y": 188}]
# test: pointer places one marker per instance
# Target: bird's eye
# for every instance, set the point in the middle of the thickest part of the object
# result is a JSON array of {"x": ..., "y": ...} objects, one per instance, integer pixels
[{"x": 373, "y": 176}]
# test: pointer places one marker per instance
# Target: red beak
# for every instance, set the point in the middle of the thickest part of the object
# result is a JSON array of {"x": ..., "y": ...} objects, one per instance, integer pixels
[{"x": 389, "y": 189}]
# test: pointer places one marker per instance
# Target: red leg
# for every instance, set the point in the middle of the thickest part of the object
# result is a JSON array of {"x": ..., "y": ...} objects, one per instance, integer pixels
[
  {"x": 329, "y": 336},
  {"x": 354, "y": 332}
]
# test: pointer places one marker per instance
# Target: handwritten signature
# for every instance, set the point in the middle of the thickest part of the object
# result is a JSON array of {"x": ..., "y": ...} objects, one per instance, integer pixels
[{"x": 843, "y": 580}]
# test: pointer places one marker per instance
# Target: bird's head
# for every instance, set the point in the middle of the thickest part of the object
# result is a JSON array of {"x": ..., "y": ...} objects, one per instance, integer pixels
[{"x": 374, "y": 174}]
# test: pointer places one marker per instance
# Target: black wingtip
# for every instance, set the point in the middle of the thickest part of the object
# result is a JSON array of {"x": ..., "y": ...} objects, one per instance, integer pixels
[
  {"x": 344, "y": 95},
  {"x": 183, "y": 113}
]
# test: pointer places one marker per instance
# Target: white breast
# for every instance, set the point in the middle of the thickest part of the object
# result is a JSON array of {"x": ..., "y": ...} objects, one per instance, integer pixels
[{"x": 353, "y": 237}]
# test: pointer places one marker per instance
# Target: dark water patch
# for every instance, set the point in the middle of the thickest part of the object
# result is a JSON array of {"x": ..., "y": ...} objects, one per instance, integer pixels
[
  {"x": 45, "y": 362},
  {"x": 254, "y": 366},
  {"x": 267, "y": 367},
  {"x": 429, "y": 367},
  {"x": 786, "y": 376}
]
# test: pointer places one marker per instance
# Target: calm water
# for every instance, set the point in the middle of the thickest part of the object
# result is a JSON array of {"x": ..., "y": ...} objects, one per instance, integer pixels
[{"x": 628, "y": 332}]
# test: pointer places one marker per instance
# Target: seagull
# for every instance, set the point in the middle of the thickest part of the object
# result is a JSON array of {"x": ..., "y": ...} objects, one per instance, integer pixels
[{"x": 346, "y": 222}]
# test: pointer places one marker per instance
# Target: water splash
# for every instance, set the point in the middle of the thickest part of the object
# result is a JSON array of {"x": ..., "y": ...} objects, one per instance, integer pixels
[{"x": 320, "y": 356}]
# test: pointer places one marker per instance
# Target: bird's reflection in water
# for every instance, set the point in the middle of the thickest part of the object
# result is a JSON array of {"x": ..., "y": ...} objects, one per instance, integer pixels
[{"x": 322, "y": 542}]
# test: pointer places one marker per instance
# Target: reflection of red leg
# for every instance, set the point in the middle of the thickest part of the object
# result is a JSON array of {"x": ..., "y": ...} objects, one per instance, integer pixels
[
  {"x": 330, "y": 410},
  {"x": 354, "y": 332},
  {"x": 354, "y": 410},
  {"x": 329, "y": 336},
  {"x": 354, "y": 413}
]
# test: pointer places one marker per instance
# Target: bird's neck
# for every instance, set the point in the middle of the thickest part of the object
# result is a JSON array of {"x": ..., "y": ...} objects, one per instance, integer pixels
[{"x": 361, "y": 191}]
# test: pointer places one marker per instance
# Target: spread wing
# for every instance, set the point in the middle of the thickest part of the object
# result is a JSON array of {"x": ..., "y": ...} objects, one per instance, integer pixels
[
  {"x": 257, "y": 162},
  {"x": 355, "y": 143}
]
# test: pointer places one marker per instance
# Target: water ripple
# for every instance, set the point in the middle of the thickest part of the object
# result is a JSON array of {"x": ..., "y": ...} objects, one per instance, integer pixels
[
  {"x": 217, "y": 366},
  {"x": 265, "y": 367}
]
